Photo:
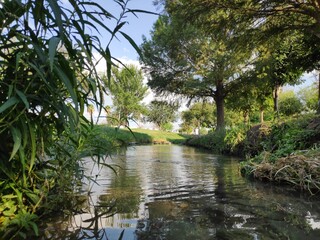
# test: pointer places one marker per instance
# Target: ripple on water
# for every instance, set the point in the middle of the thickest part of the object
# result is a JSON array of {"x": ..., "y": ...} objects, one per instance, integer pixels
[{"x": 177, "y": 192}]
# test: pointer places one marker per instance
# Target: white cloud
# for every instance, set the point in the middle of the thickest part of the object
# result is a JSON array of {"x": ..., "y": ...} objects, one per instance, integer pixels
[{"x": 102, "y": 66}]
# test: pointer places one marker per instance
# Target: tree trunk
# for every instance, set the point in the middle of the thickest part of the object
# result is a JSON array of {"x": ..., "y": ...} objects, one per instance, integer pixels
[
  {"x": 219, "y": 100},
  {"x": 318, "y": 107},
  {"x": 261, "y": 114},
  {"x": 275, "y": 99},
  {"x": 246, "y": 117}
]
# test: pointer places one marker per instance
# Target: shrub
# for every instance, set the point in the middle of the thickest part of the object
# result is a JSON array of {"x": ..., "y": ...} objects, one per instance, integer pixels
[
  {"x": 213, "y": 141},
  {"x": 289, "y": 104}
]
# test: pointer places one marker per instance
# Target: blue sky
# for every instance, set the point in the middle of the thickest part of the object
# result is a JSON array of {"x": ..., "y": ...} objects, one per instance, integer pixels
[{"x": 135, "y": 28}]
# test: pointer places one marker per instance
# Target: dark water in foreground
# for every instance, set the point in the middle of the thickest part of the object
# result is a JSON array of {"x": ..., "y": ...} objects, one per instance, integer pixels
[{"x": 177, "y": 192}]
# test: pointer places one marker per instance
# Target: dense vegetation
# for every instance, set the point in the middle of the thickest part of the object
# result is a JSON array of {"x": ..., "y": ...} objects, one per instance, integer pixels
[
  {"x": 127, "y": 90},
  {"x": 284, "y": 151},
  {"x": 48, "y": 77},
  {"x": 232, "y": 56},
  {"x": 162, "y": 114}
]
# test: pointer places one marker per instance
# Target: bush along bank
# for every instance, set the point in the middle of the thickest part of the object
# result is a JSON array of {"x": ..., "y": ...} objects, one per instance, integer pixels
[{"x": 281, "y": 152}]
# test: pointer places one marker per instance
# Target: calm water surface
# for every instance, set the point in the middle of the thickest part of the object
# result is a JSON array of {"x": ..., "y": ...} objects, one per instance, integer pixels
[{"x": 178, "y": 192}]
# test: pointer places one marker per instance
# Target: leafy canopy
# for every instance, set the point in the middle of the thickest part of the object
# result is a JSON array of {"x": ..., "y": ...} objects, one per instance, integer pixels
[
  {"x": 162, "y": 113},
  {"x": 127, "y": 90},
  {"x": 199, "y": 115},
  {"x": 289, "y": 103},
  {"x": 184, "y": 59}
]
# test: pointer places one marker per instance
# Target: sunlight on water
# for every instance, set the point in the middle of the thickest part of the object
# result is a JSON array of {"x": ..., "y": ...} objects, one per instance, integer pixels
[
  {"x": 177, "y": 192},
  {"x": 313, "y": 221}
]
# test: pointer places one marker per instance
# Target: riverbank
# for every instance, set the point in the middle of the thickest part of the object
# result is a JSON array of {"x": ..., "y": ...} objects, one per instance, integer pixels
[
  {"x": 122, "y": 136},
  {"x": 286, "y": 151}
]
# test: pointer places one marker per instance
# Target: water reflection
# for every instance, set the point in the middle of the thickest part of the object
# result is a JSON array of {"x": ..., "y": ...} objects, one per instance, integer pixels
[{"x": 175, "y": 192}]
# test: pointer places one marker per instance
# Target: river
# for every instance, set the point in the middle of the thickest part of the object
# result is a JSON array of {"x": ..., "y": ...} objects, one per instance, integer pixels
[{"x": 178, "y": 192}]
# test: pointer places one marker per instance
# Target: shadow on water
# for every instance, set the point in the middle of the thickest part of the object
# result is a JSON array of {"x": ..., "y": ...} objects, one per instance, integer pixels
[{"x": 177, "y": 192}]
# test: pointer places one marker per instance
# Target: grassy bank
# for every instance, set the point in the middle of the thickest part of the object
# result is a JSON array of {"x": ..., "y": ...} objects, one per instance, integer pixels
[
  {"x": 118, "y": 137},
  {"x": 286, "y": 151}
]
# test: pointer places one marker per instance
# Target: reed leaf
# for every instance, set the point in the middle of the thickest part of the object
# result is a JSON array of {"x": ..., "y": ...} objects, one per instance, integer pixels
[
  {"x": 9, "y": 103},
  {"x": 16, "y": 135},
  {"x": 47, "y": 77},
  {"x": 58, "y": 16},
  {"x": 133, "y": 44},
  {"x": 33, "y": 146},
  {"x": 53, "y": 44}
]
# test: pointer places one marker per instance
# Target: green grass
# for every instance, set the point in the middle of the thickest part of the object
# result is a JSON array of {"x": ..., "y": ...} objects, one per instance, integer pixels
[
  {"x": 138, "y": 136},
  {"x": 156, "y": 135}
]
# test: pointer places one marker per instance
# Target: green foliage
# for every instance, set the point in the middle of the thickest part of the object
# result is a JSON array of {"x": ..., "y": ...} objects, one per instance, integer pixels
[
  {"x": 20, "y": 224},
  {"x": 17, "y": 206},
  {"x": 234, "y": 118},
  {"x": 184, "y": 59},
  {"x": 277, "y": 140},
  {"x": 47, "y": 78},
  {"x": 309, "y": 97},
  {"x": 271, "y": 17},
  {"x": 203, "y": 131},
  {"x": 185, "y": 128},
  {"x": 277, "y": 62},
  {"x": 291, "y": 135},
  {"x": 289, "y": 103},
  {"x": 213, "y": 141},
  {"x": 167, "y": 127},
  {"x": 278, "y": 56},
  {"x": 162, "y": 113},
  {"x": 204, "y": 55},
  {"x": 270, "y": 142},
  {"x": 251, "y": 96},
  {"x": 199, "y": 115},
  {"x": 228, "y": 141},
  {"x": 235, "y": 137},
  {"x": 128, "y": 90}
]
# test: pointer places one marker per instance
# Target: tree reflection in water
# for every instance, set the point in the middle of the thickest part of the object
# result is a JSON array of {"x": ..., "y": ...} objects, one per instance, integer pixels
[{"x": 176, "y": 192}]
